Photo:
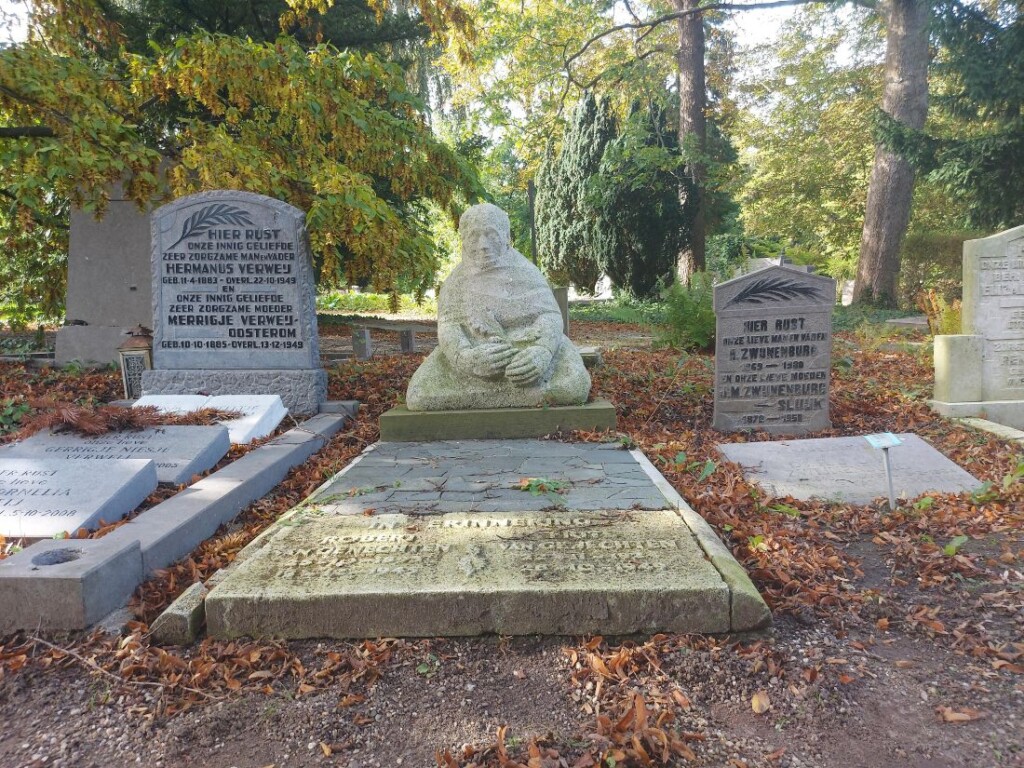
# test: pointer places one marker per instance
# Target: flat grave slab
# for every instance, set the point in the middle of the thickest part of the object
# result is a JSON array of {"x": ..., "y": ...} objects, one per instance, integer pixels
[
  {"x": 260, "y": 413},
  {"x": 551, "y": 572},
  {"x": 43, "y": 497},
  {"x": 179, "y": 452},
  {"x": 847, "y": 469},
  {"x": 488, "y": 475}
]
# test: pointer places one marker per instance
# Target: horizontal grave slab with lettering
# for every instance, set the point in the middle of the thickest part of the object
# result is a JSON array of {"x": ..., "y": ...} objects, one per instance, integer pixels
[
  {"x": 467, "y": 574},
  {"x": 179, "y": 452},
  {"x": 43, "y": 497},
  {"x": 258, "y": 416}
]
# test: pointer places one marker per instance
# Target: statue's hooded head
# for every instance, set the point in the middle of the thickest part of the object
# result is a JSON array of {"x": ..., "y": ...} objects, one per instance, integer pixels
[{"x": 486, "y": 236}]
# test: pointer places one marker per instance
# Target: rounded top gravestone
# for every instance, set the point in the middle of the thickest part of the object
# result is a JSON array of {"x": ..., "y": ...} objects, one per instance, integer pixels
[
  {"x": 233, "y": 284},
  {"x": 773, "y": 347},
  {"x": 500, "y": 333}
]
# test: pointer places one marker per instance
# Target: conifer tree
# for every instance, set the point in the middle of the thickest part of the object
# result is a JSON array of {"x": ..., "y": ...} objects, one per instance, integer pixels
[
  {"x": 636, "y": 195},
  {"x": 568, "y": 230}
]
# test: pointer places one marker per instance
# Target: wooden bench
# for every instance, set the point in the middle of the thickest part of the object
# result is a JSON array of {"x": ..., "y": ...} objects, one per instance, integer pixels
[{"x": 362, "y": 347}]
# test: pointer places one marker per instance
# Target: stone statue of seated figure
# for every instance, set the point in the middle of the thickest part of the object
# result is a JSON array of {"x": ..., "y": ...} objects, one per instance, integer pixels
[{"x": 499, "y": 331}]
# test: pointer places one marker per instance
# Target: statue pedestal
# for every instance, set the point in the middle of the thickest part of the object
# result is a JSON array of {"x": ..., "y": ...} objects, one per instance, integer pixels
[{"x": 402, "y": 425}]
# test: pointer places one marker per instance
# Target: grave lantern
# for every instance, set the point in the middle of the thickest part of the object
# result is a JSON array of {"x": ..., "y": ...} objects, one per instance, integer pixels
[{"x": 136, "y": 356}]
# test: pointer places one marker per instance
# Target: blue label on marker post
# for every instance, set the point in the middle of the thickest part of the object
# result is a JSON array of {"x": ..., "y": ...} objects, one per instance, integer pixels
[{"x": 883, "y": 440}]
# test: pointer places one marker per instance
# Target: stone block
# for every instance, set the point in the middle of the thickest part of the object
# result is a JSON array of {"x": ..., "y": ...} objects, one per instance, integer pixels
[
  {"x": 958, "y": 368},
  {"x": 260, "y": 414},
  {"x": 92, "y": 345},
  {"x": 66, "y": 584},
  {"x": 44, "y": 497},
  {"x": 183, "y": 620},
  {"x": 459, "y": 574},
  {"x": 402, "y": 425},
  {"x": 178, "y": 452},
  {"x": 301, "y": 391}
]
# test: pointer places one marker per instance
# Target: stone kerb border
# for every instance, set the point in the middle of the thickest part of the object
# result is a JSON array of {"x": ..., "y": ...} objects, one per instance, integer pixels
[
  {"x": 747, "y": 610},
  {"x": 69, "y": 584}
]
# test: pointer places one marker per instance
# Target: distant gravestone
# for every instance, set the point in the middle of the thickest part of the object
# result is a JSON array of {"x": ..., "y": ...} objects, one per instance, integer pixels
[
  {"x": 178, "y": 452},
  {"x": 45, "y": 497},
  {"x": 981, "y": 371},
  {"x": 773, "y": 351},
  {"x": 234, "y": 301},
  {"x": 99, "y": 310},
  {"x": 259, "y": 414}
]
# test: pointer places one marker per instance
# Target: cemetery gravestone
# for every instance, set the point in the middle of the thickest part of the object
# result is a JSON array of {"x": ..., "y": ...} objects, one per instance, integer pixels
[
  {"x": 981, "y": 371},
  {"x": 773, "y": 351},
  {"x": 233, "y": 301},
  {"x": 100, "y": 310},
  {"x": 178, "y": 452},
  {"x": 43, "y": 497}
]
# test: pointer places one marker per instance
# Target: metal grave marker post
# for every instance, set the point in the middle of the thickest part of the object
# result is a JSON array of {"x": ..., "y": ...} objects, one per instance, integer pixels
[{"x": 884, "y": 441}]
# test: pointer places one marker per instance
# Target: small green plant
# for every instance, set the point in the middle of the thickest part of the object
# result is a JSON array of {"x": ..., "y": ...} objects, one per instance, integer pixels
[
  {"x": 430, "y": 667},
  {"x": 541, "y": 485},
  {"x": 786, "y": 509},
  {"x": 757, "y": 543},
  {"x": 689, "y": 314},
  {"x": 701, "y": 470},
  {"x": 954, "y": 545},
  {"x": 1013, "y": 477},
  {"x": 11, "y": 414},
  {"x": 985, "y": 492},
  {"x": 925, "y": 502}
]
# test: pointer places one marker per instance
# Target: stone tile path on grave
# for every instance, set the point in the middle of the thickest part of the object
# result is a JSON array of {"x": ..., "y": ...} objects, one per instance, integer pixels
[
  {"x": 427, "y": 539},
  {"x": 485, "y": 476}
]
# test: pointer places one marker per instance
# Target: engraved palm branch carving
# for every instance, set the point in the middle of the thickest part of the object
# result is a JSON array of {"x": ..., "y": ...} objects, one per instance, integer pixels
[
  {"x": 775, "y": 289},
  {"x": 212, "y": 216}
]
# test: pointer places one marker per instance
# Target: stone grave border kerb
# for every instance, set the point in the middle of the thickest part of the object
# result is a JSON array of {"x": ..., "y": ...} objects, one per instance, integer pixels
[
  {"x": 746, "y": 607},
  {"x": 75, "y": 594}
]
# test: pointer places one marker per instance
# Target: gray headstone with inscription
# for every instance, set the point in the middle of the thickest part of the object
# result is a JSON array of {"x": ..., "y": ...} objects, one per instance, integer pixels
[
  {"x": 234, "y": 301},
  {"x": 981, "y": 371},
  {"x": 773, "y": 351},
  {"x": 42, "y": 497},
  {"x": 179, "y": 452}
]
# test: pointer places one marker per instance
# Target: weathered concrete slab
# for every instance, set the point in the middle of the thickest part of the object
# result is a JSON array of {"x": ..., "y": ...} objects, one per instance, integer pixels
[
  {"x": 467, "y": 574},
  {"x": 44, "y": 497},
  {"x": 58, "y": 584},
  {"x": 488, "y": 475},
  {"x": 401, "y": 424},
  {"x": 847, "y": 469},
  {"x": 179, "y": 452},
  {"x": 260, "y": 414}
]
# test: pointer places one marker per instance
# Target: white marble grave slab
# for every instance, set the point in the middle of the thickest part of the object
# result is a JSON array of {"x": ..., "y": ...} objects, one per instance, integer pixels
[
  {"x": 43, "y": 497},
  {"x": 260, "y": 413},
  {"x": 847, "y": 469},
  {"x": 179, "y": 404},
  {"x": 179, "y": 452}
]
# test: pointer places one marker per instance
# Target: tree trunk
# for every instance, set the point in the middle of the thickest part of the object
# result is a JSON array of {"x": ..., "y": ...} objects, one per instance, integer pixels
[
  {"x": 692, "y": 130},
  {"x": 891, "y": 189}
]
